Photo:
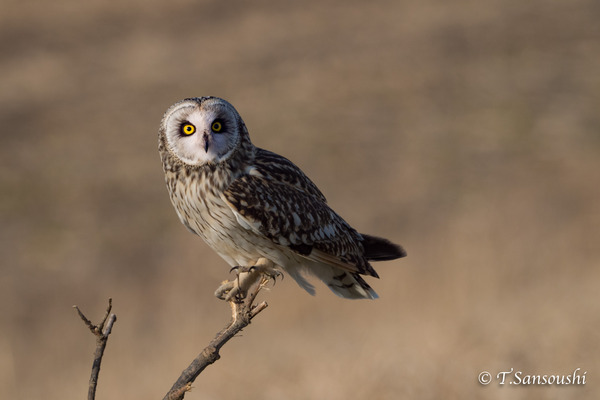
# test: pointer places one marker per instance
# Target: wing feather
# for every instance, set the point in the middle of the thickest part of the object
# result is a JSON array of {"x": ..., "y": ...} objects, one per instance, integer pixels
[{"x": 278, "y": 201}]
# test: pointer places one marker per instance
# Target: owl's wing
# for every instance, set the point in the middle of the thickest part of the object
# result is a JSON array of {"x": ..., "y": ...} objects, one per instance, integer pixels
[
  {"x": 279, "y": 169},
  {"x": 278, "y": 201}
]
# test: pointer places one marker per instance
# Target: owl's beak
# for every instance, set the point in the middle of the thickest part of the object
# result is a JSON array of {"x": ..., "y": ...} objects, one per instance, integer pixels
[{"x": 206, "y": 142}]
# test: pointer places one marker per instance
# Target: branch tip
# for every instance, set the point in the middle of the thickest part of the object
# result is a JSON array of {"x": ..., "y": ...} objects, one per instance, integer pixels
[{"x": 257, "y": 309}]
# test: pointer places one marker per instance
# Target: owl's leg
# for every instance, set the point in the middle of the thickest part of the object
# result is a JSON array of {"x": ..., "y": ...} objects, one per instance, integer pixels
[{"x": 247, "y": 277}]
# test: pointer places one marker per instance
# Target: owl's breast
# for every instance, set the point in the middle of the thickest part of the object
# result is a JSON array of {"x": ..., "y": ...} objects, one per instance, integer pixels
[
  {"x": 200, "y": 207},
  {"x": 202, "y": 210}
]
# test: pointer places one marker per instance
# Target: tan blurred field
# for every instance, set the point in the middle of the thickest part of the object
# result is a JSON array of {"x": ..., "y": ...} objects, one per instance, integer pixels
[{"x": 467, "y": 131}]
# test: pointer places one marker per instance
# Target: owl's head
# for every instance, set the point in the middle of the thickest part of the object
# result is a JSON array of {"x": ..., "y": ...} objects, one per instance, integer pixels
[{"x": 202, "y": 130}]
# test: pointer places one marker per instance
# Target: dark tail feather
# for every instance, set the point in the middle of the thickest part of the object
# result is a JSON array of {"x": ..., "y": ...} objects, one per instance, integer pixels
[{"x": 380, "y": 249}]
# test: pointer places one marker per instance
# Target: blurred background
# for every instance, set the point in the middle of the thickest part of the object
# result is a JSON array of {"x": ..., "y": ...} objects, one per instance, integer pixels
[{"x": 467, "y": 131}]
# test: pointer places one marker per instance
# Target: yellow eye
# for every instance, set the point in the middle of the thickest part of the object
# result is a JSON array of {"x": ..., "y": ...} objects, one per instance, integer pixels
[
  {"x": 216, "y": 126},
  {"x": 188, "y": 129}
]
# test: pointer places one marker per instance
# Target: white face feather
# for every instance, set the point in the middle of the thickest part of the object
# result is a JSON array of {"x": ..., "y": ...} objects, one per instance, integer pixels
[{"x": 214, "y": 131}]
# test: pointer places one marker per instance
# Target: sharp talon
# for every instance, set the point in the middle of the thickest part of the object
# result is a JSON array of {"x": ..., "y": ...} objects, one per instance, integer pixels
[
  {"x": 234, "y": 269},
  {"x": 276, "y": 274}
]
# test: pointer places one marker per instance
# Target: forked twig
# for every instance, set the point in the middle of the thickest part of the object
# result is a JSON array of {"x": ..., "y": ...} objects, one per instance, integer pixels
[
  {"x": 242, "y": 312},
  {"x": 101, "y": 331}
]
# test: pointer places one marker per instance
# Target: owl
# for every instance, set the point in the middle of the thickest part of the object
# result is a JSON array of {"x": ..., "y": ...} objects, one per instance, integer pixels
[{"x": 257, "y": 209}]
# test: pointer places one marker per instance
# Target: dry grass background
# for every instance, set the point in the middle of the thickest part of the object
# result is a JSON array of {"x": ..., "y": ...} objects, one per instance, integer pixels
[{"x": 466, "y": 130}]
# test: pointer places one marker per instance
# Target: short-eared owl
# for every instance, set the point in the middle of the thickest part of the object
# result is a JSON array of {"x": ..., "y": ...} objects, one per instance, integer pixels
[{"x": 256, "y": 208}]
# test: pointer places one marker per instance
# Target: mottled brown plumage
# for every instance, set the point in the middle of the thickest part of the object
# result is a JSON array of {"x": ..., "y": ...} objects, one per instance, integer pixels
[{"x": 253, "y": 206}]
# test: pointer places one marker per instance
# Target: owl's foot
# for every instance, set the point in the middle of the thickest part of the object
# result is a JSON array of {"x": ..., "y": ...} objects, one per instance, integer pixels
[
  {"x": 237, "y": 288},
  {"x": 247, "y": 277}
]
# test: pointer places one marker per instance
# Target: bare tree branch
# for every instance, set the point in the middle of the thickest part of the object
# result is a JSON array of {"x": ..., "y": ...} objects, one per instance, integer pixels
[
  {"x": 101, "y": 331},
  {"x": 242, "y": 312}
]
